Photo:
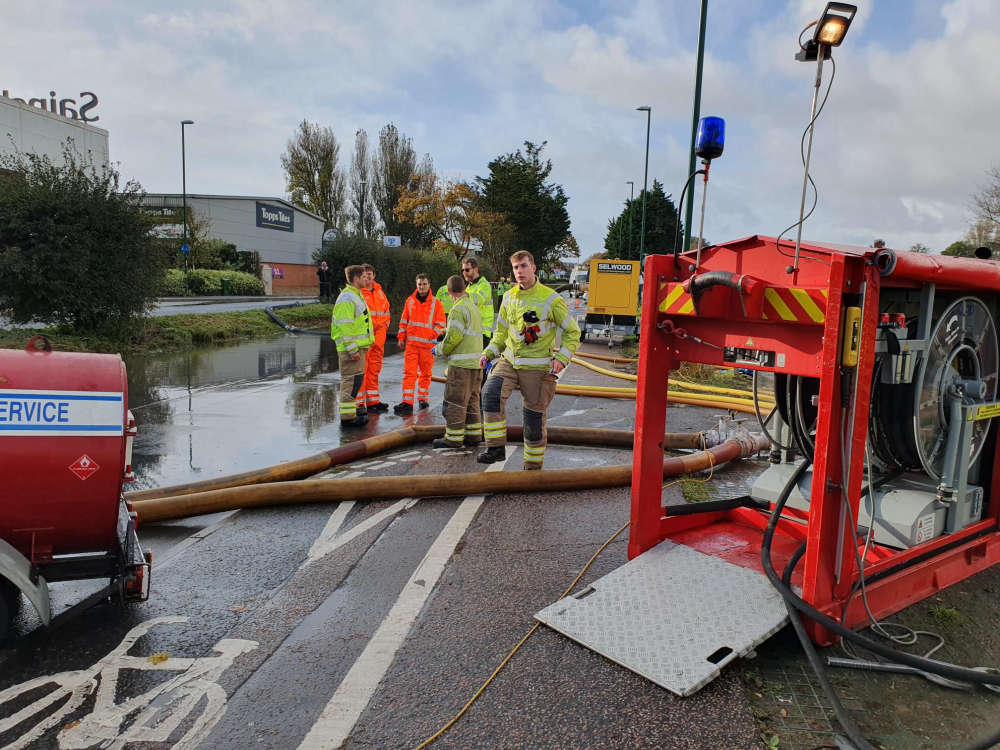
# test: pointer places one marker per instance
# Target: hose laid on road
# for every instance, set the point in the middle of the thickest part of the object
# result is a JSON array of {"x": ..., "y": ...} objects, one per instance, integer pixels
[
  {"x": 680, "y": 383},
  {"x": 387, "y": 441},
  {"x": 290, "y": 328},
  {"x": 604, "y": 357},
  {"x": 397, "y": 487}
]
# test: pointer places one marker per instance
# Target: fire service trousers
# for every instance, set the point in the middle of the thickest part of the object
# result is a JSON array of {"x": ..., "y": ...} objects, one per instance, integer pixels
[
  {"x": 369, "y": 395},
  {"x": 537, "y": 389},
  {"x": 352, "y": 375},
  {"x": 461, "y": 406},
  {"x": 418, "y": 364}
]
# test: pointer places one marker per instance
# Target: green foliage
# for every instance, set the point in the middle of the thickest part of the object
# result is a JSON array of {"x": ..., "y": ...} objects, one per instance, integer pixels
[
  {"x": 960, "y": 249},
  {"x": 516, "y": 187},
  {"x": 395, "y": 268},
  {"x": 75, "y": 246},
  {"x": 206, "y": 282},
  {"x": 174, "y": 284},
  {"x": 919, "y": 248},
  {"x": 661, "y": 223}
]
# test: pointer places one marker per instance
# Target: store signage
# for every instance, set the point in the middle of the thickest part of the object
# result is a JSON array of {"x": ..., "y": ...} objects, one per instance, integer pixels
[
  {"x": 270, "y": 216},
  {"x": 65, "y": 107},
  {"x": 392, "y": 241},
  {"x": 614, "y": 268}
]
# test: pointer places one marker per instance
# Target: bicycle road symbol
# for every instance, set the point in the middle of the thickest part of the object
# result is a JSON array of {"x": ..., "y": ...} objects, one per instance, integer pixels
[{"x": 153, "y": 716}]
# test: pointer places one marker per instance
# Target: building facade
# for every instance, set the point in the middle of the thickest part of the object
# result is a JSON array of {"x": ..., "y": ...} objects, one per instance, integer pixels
[
  {"x": 28, "y": 129},
  {"x": 285, "y": 236}
]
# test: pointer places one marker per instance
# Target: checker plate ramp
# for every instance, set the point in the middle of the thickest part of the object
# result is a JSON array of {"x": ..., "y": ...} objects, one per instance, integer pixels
[{"x": 663, "y": 615}]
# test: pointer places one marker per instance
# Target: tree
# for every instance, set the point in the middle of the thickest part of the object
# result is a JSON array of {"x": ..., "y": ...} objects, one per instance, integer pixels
[
  {"x": 442, "y": 210},
  {"x": 394, "y": 165},
  {"x": 960, "y": 249},
  {"x": 365, "y": 216},
  {"x": 919, "y": 248},
  {"x": 984, "y": 233},
  {"x": 987, "y": 202},
  {"x": 623, "y": 238},
  {"x": 517, "y": 187},
  {"x": 75, "y": 244},
  {"x": 313, "y": 177},
  {"x": 496, "y": 237}
]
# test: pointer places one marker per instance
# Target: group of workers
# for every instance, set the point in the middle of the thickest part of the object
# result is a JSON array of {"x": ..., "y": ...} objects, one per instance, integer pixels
[{"x": 525, "y": 345}]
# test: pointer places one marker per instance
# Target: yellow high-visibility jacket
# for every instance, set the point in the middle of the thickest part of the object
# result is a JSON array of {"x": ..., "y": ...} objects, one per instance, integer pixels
[
  {"x": 351, "y": 324},
  {"x": 553, "y": 317}
]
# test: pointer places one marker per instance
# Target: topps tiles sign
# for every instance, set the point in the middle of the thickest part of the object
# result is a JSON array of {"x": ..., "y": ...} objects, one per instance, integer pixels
[
  {"x": 270, "y": 216},
  {"x": 74, "y": 109}
]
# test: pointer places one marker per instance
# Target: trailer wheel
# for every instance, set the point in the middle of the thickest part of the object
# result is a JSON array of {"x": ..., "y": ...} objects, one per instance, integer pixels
[{"x": 9, "y": 599}]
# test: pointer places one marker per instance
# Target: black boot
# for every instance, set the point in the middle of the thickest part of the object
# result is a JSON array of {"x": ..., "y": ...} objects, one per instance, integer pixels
[
  {"x": 442, "y": 443},
  {"x": 424, "y": 404},
  {"x": 379, "y": 407},
  {"x": 492, "y": 455},
  {"x": 403, "y": 409},
  {"x": 359, "y": 421}
]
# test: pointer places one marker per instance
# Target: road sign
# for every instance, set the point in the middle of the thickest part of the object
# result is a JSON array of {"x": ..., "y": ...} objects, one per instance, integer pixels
[
  {"x": 392, "y": 241},
  {"x": 330, "y": 234},
  {"x": 185, "y": 249}
]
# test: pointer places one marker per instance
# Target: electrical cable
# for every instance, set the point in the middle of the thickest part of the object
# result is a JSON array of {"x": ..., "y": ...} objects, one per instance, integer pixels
[
  {"x": 680, "y": 207},
  {"x": 513, "y": 651},
  {"x": 802, "y": 156},
  {"x": 763, "y": 422}
]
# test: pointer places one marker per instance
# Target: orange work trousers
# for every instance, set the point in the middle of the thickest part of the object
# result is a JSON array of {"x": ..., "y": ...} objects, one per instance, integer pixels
[
  {"x": 369, "y": 395},
  {"x": 418, "y": 364}
]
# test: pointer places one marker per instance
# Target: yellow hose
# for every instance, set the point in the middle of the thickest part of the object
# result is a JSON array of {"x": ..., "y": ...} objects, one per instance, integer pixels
[
  {"x": 673, "y": 381},
  {"x": 604, "y": 371}
]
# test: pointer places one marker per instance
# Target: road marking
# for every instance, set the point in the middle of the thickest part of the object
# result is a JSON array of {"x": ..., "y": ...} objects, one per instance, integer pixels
[
  {"x": 324, "y": 545},
  {"x": 351, "y": 475},
  {"x": 368, "y": 465},
  {"x": 409, "y": 454},
  {"x": 355, "y": 692}
]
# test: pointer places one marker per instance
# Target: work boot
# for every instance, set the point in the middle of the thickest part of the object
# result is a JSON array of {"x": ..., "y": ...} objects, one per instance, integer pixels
[
  {"x": 362, "y": 411},
  {"x": 492, "y": 455},
  {"x": 471, "y": 442},
  {"x": 379, "y": 407},
  {"x": 403, "y": 409},
  {"x": 359, "y": 421},
  {"x": 442, "y": 443},
  {"x": 424, "y": 404}
]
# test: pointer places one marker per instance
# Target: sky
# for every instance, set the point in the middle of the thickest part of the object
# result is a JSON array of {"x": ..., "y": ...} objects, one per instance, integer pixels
[{"x": 905, "y": 140}]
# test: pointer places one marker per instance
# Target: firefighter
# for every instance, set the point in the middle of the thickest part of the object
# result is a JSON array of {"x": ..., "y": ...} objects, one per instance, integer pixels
[
  {"x": 531, "y": 315},
  {"x": 481, "y": 292},
  {"x": 378, "y": 307},
  {"x": 422, "y": 322},
  {"x": 351, "y": 329},
  {"x": 444, "y": 298},
  {"x": 462, "y": 345}
]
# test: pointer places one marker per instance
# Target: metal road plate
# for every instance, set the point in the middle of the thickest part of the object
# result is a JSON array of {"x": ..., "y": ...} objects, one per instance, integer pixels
[{"x": 674, "y": 615}]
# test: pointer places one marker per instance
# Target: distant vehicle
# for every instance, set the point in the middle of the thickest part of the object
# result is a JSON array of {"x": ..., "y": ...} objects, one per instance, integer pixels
[{"x": 612, "y": 300}]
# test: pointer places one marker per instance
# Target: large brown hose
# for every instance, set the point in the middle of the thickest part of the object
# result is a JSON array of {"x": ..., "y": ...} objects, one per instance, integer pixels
[
  {"x": 422, "y": 485},
  {"x": 372, "y": 446}
]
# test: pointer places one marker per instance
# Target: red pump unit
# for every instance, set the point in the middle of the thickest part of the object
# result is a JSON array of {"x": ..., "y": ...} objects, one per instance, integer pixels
[
  {"x": 65, "y": 451},
  {"x": 885, "y": 369}
]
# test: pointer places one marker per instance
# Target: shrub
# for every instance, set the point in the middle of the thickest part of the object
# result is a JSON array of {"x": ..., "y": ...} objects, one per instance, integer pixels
[
  {"x": 75, "y": 247},
  {"x": 173, "y": 284},
  {"x": 245, "y": 285},
  {"x": 204, "y": 282}
]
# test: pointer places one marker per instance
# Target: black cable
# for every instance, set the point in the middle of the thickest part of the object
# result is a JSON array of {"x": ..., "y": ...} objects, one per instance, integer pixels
[
  {"x": 680, "y": 206},
  {"x": 763, "y": 422}
]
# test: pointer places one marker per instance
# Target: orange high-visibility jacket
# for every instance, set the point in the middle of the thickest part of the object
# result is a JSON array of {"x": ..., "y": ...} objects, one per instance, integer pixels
[
  {"x": 422, "y": 322},
  {"x": 378, "y": 306}
]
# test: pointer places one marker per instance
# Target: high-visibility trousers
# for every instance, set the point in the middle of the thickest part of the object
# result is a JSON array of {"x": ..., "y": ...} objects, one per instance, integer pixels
[
  {"x": 418, "y": 364},
  {"x": 538, "y": 387},
  {"x": 369, "y": 394},
  {"x": 352, "y": 374},
  {"x": 461, "y": 407}
]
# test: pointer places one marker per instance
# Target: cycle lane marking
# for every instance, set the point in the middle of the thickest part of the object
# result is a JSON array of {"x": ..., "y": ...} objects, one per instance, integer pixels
[{"x": 355, "y": 691}]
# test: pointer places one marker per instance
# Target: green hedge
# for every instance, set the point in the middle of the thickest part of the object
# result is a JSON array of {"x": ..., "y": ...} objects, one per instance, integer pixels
[
  {"x": 395, "y": 267},
  {"x": 204, "y": 282}
]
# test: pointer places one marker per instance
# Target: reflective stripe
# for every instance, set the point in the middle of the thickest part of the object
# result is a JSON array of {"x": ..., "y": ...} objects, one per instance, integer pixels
[
  {"x": 502, "y": 323},
  {"x": 532, "y": 360},
  {"x": 420, "y": 338},
  {"x": 464, "y": 357},
  {"x": 566, "y": 322},
  {"x": 566, "y": 353},
  {"x": 492, "y": 349},
  {"x": 343, "y": 321}
]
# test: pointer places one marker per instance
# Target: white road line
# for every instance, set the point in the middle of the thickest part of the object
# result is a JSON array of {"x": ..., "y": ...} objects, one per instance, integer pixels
[
  {"x": 350, "y": 475},
  {"x": 329, "y": 531},
  {"x": 359, "y": 685},
  {"x": 318, "y": 551},
  {"x": 408, "y": 454},
  {"x": 373, "y": 465}
]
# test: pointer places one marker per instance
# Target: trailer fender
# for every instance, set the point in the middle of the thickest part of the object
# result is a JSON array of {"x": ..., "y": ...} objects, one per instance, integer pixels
[{"x": 15, "y": 568}]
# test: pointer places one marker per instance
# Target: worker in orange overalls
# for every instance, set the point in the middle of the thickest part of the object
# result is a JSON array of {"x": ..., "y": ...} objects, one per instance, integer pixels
[
  {"x": 378, "y": 306},
  {"x": 422, "y": 322}
]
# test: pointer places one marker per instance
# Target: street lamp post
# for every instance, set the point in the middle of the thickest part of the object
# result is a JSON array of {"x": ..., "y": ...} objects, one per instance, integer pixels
[
  {"x": 631, "y": 199},
  {"x": 695, "y": 118},
  {"x": 645, "y": 176},
  {"x": 184, "y": 243},
  {"x": 363, "y": 194}
]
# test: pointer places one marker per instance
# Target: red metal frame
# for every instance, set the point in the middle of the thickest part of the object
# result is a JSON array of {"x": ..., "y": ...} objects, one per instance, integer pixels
[{"x": 807, "y": 341}]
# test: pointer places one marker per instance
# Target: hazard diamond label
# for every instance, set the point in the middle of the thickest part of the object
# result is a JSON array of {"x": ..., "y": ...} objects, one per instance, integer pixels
[{"x": 84, "y": 467}]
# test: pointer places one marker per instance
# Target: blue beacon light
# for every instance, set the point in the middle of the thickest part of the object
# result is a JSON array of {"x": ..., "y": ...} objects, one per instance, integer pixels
[{"x": 711, "y": 138}]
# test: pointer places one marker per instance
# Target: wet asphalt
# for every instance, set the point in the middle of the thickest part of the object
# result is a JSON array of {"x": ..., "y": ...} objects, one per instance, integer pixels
[{"x": 244, "y": 575}]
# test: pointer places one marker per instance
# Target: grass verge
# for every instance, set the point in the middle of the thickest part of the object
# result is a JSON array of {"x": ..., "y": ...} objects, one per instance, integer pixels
[{"x": 174, "y": 332}]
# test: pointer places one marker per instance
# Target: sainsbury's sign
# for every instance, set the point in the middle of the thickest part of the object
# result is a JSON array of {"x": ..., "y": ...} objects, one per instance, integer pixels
[{"x": 66, "y": 107}]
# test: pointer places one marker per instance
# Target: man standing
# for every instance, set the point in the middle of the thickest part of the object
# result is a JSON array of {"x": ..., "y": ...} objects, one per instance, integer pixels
[
  {"x": 323, "y": 274},
  {"x": 481, "y": 292},
  {"x": 419, "y": 327},
  {"x": 378, "y": 307},
  {"x": 531, "y": 315},
  {"x": 351, "y": 329},
  {"x": 444, "y": 298},
  {"x": 462, "y": 345}
]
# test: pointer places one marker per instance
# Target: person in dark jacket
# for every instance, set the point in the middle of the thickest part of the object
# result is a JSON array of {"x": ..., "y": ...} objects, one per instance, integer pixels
[{"x": 323, "y": 274}]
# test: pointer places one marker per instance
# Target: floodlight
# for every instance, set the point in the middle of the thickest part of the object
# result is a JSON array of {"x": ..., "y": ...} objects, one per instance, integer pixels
[{"x": 833, "y": 25}]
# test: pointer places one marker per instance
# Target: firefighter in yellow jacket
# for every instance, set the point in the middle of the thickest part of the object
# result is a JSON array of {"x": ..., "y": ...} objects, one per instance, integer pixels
[
  {"x": 351, "y": 330},
  {"x": 461, "y": 347},
  {"x": 534, "y": 338}
]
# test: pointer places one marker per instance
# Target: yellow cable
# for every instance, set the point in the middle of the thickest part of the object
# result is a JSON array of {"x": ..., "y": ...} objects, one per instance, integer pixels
[
  {"x": 711, "y": 471},
  {"x": 534, "y": 627},
  {"x": 679, "y": 382}
]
